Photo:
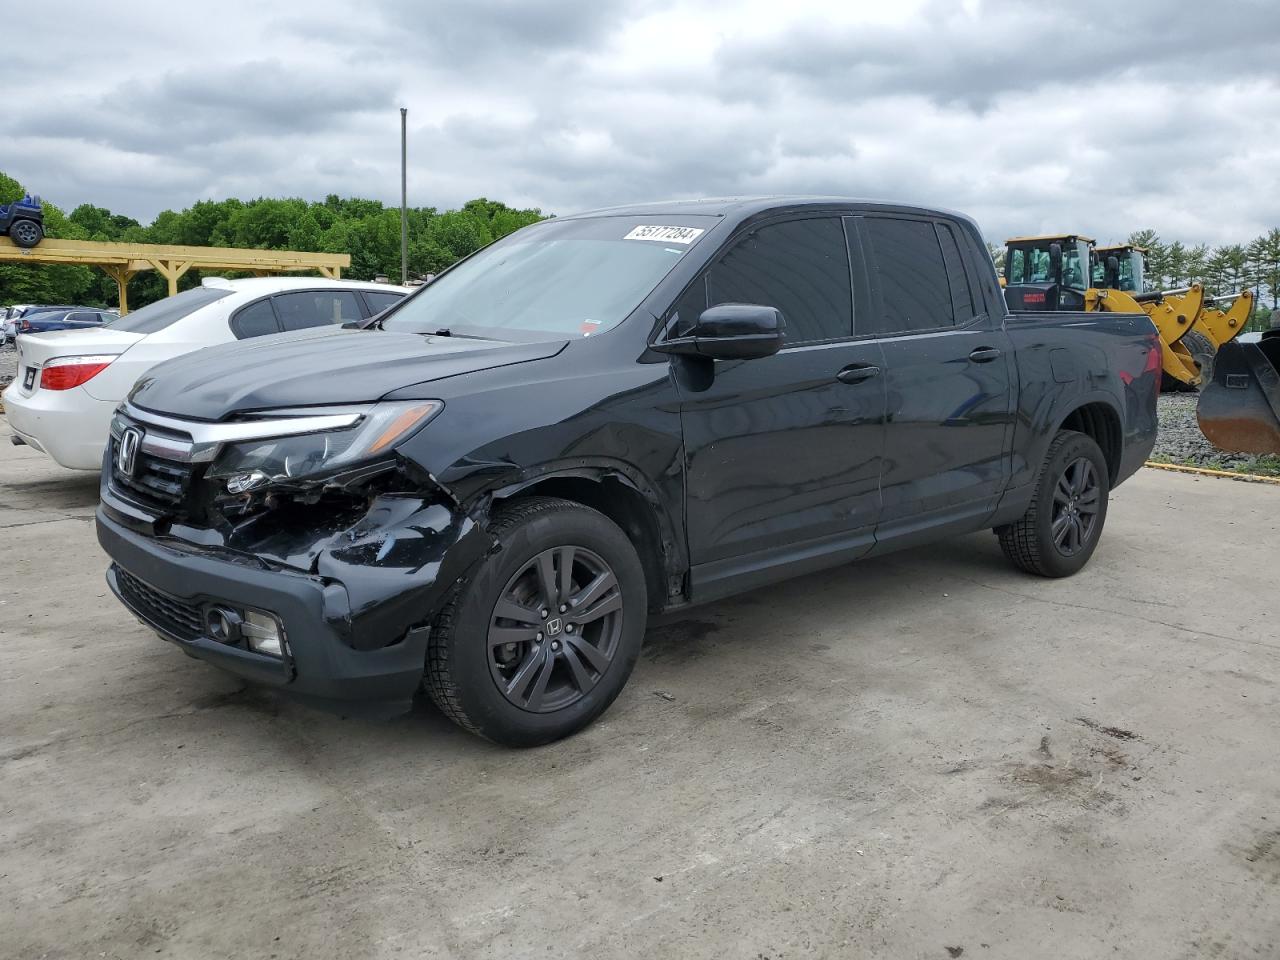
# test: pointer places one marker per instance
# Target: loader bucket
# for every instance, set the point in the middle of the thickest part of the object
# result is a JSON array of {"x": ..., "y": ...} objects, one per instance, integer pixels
[
  {"x": 1239, "y": 410},
  {"x": 1223, "y": 326}
]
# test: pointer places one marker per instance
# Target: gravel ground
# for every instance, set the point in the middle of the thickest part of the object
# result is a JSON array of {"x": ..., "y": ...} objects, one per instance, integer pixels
[
  {"x": 1180, "y": 441},
  {"x": 8, "y": 364}
]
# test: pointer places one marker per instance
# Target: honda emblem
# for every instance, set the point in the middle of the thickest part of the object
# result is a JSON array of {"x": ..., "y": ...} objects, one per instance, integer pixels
[{"x": 127, "y": 450}]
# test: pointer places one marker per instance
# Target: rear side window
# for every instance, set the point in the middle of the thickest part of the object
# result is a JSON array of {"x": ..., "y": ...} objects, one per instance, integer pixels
[
  {"x": 380, "y": 301},
  {"x": 255, "y": 320},
  {"x": 962, "y": 298},
  {"x": 906, "y": 259},
  {"x": 801, "y": 267},
  {"x": 316, "y": 308},
  {"x": 163, "y": 313}
]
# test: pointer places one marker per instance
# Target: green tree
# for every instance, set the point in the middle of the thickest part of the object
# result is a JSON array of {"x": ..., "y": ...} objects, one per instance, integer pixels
[
  {"x": 1264, "y": 257},
  {"x": 367, "y": 230}
]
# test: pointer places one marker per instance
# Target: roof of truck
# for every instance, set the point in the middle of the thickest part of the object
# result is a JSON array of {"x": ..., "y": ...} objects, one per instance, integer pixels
[{"x": 748, "y": 206}]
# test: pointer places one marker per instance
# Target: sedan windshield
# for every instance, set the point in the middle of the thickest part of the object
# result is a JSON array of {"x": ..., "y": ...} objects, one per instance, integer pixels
[{"x": 558, "y": 278}]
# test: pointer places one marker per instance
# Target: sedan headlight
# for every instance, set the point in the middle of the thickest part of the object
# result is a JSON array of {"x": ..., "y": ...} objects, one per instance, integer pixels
[{"x": 249, "y": 464}]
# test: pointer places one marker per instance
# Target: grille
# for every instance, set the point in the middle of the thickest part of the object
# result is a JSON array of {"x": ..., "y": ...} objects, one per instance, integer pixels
[
  {"x": 178, "y": 617},
  {"x": 156, "y": 482}
]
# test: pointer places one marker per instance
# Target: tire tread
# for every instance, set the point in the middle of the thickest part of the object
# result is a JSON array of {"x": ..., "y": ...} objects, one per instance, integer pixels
[{"x": 1019, "y": 540}]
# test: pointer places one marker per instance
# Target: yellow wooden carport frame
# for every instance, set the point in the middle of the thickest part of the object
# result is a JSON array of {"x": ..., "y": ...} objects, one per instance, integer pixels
[{"x": 120, "y": 261}]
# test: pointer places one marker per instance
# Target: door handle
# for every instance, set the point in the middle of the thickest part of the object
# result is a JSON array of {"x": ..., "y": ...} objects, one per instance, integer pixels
[
  {"x": 984, "y": 355},
  {"x": 857, "y": 372}
]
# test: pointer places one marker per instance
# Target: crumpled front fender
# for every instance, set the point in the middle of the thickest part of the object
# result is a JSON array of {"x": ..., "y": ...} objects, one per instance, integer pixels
[{"x": 399, "y": 563}]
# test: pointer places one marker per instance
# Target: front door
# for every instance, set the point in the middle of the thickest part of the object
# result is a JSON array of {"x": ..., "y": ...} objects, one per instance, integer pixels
[
  {"x": 947, "y": 378},
  {"x": 783, "y": 453}
]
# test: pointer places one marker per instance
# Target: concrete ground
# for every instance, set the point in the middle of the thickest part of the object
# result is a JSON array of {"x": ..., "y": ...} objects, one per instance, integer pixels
[{"x": 930, "y": 755}]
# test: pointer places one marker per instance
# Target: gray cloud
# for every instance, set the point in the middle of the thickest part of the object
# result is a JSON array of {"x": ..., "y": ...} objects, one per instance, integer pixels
[{"x": 1094, "y": 116}]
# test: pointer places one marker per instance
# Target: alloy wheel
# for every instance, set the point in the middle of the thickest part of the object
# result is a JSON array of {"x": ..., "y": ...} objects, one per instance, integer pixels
[
  {"x": 1076, "y": 499},
  {"x": 554, "y": 629}
]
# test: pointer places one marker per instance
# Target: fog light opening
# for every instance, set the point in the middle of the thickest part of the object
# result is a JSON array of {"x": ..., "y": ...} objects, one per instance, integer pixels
[
  {"x": 263, "y": 633},
  {"x": 223, "y": 624}
]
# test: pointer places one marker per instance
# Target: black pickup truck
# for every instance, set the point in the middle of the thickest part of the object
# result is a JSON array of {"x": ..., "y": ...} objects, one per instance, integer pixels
[{"x": 601, "y": 417}]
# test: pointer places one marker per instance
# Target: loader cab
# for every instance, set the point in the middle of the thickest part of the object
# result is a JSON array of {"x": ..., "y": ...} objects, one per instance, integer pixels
[
  {"x": 1121, "y": 267},
  {"x": 1047, "y": 273}
]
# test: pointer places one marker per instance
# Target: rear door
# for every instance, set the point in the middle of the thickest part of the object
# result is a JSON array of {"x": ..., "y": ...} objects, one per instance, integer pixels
[
  {"x": 947, "y": 377},
  {"x": 782, "y": 453}
]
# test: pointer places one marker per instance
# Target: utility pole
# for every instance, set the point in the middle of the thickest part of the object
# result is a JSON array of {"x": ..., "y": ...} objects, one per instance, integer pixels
[{"x": 404, "y": 197}]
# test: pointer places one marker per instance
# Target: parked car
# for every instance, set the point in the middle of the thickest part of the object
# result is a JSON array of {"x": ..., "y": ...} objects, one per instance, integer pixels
[
  {"x": 9, "y": 327},
  {"x": 69, "y": 382},
  {"x": 23, "y": 221},
  {"x": 598, "y": 418},
  {"x": 44, "y": 321}
]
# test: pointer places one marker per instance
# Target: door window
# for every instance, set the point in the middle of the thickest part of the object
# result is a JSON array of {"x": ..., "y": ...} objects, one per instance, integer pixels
[
  {"x": 316, "y": 308},
  {"x": 906, "y": 259},
  {"x": 379, "y": 301},
  {"x": 801, "y": 267},
  {"x": 255, "y": 320},
  {"x": 962, "y": 299}
]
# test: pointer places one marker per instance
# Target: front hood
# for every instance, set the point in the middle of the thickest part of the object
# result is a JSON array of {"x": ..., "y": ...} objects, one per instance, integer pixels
[{"x": 326, "y": 365}]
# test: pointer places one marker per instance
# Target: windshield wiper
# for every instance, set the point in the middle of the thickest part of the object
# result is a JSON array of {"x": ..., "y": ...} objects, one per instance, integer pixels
[{"x": 448, "y": 332}]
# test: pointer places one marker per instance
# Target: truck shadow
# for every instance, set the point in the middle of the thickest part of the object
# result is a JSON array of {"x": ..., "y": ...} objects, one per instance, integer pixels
[{"x": 799, "y": 622}]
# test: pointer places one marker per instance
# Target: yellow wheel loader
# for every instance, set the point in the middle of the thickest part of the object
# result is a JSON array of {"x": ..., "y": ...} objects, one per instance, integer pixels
[
  {"x": 1123, "y": 267},
  {"x": 1065, "y": 272}
]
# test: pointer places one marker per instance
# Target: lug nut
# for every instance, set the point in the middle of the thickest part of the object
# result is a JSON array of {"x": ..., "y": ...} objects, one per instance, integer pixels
[
  {"x": 545, "y": 614},
  {"x": 538, "y": 638},
  {"x": 564, "y": 607},
  {"x": 568, "y": 628},
  {"x": 555, "y": 644}
]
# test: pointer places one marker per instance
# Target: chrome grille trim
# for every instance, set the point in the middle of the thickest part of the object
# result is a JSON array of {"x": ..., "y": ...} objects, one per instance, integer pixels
[{"x": 207, "y": 438}]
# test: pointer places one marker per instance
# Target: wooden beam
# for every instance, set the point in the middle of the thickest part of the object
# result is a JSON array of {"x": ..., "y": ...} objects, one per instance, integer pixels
[
  {"x": 146, "y": 256},
  {"x": 120, "y": 273}
]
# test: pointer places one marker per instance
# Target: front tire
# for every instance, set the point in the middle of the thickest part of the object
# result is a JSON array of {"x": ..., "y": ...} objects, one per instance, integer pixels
[
  {"x": 1060, "y": 530},
  {"x": 543, "y": 638},
  {"x": 25, "y": 233}
]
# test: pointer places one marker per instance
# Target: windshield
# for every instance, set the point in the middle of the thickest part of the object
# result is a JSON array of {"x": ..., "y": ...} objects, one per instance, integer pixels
[
  {"x": 1032, "y": 263},
  {"x": 162, "y": 313},
  {"x": 558, "y": 278},
  {"x": 1131, "y": 272},
  {"x": 1130, "y": 269}
]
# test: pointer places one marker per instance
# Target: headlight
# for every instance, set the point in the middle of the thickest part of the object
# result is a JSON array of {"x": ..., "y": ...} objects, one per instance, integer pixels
[{"x": 250, "y": 464}]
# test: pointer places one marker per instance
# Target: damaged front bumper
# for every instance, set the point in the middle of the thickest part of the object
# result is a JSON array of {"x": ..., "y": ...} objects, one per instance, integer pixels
[{"x": 355, "y": 618}]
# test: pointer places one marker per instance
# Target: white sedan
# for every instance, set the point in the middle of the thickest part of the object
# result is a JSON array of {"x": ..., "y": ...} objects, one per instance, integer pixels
[{"x": 69, "y": 382}]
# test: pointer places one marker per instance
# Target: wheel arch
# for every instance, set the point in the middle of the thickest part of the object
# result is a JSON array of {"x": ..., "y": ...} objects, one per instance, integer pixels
[
  {"x": 1100, "y": 421},
  {"x": 627, "y": 500}
]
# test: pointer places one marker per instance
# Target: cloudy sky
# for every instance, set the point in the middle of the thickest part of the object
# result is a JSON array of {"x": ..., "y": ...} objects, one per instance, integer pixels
[{"x": 1101, "y": 117}]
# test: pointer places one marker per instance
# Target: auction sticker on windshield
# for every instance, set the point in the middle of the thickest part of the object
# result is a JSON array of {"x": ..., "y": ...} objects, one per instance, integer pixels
[{"x": 665, "y": 234}]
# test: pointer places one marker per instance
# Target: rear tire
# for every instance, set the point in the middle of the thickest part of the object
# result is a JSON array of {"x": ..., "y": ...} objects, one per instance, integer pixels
[
  {"x": 25, "y": 233},
  {"x": 543, "y": 638},
  {"x": 1201, "y": 349},
  {"x": 1060, "y": 530}
]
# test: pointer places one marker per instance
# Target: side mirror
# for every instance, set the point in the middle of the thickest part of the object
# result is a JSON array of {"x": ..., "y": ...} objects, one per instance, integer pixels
[
  {"x": 731, "y": 331},
  {"x": 1055, "y": 262}
]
